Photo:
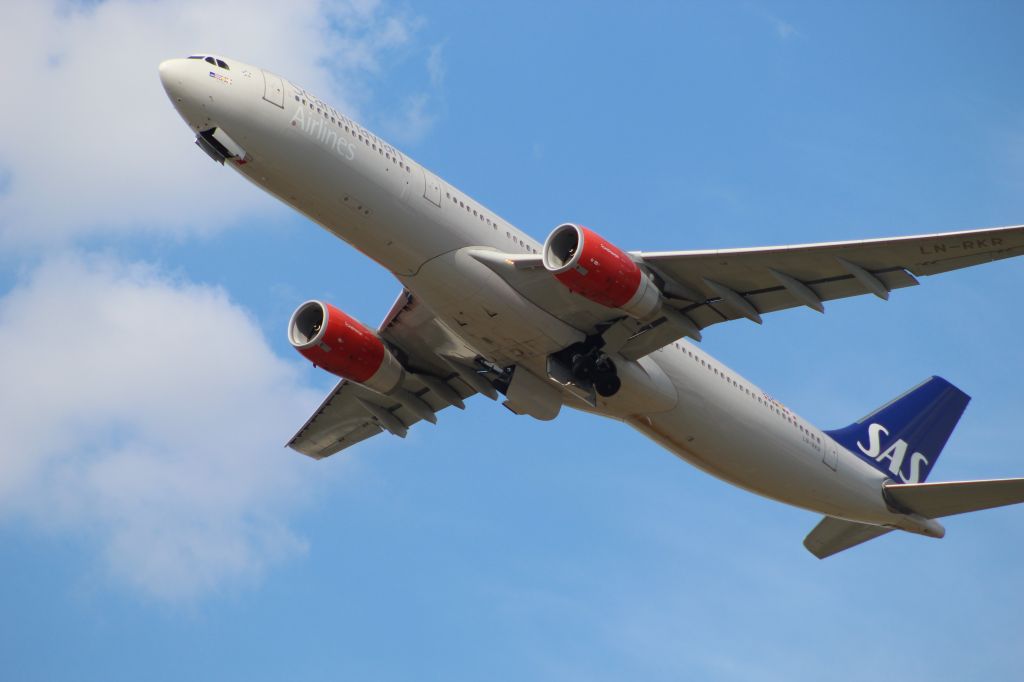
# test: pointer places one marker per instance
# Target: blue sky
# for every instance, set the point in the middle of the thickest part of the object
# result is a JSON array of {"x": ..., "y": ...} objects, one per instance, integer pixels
[{"x": 153, "y": 527}]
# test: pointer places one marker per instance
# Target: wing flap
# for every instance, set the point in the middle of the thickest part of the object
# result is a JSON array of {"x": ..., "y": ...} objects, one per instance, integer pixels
[
  {"x": 342, "y": 420},
  {"x": 338, "y": 423}
]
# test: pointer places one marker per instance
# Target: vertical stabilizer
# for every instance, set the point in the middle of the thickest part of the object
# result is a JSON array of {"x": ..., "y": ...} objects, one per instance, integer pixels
[{"x": 904, "y": 437}]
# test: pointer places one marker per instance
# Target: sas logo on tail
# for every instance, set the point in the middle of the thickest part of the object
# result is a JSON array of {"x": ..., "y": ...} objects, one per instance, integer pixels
[{"x": 896, "y": 453}]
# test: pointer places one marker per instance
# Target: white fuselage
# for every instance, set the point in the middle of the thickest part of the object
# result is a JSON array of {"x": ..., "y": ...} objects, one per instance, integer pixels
[{"x": 377, "y": 199}]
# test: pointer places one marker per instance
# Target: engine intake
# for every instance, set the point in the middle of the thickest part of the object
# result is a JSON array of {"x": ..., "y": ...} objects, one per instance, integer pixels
[
  {"x": 596, "y": 269},
  {"x": 343, "y": 346}
]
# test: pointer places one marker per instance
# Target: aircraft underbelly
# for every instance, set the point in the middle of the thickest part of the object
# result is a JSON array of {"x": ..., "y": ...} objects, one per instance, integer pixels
[
  {"x": 748, "y": 446},
  {"x": 480, "y": 307}
]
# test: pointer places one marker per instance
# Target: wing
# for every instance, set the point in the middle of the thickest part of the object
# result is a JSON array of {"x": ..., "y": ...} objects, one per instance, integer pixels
[
  {"x": 709, "y": 287},
  {"x": 439, "y": 375},
  {"x": 717, "y": 286}
]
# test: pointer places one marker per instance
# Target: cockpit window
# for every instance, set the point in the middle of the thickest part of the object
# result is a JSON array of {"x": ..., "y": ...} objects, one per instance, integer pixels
[{"x": 212, "y": 60}]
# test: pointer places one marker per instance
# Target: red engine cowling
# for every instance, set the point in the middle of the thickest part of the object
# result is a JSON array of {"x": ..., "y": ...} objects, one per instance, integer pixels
[
  {"x": 331, "y": 339},
  {"x": 596, "y": 269}
]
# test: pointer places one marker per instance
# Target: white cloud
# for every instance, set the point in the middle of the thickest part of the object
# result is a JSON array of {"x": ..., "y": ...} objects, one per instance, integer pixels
[
  {"x": 417, "y": 115},
  {"x": 142, "y": 413},
  {"x": 91, "y": 142},
  {"x": 414, "y": 122},
  {"x": 784, "y": 29},
  {"x": 148, "y": 415},
  {"x": 435, "y": 65}
]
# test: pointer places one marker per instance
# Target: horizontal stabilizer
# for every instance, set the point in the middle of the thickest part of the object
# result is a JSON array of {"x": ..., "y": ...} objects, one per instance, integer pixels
[
  {"x": 834, "y": 535},
  {"x": 934, "y": 500}
]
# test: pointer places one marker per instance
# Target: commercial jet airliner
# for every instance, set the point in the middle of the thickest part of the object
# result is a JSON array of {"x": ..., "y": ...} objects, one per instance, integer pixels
[{"x": 578, "y": 322}]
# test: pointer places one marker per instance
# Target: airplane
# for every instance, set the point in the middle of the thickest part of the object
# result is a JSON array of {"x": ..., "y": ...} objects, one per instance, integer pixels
[{"x": 578, "y": 322}]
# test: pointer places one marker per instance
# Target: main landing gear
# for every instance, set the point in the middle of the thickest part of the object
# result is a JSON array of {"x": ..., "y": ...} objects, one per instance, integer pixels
[{"x": 585, "y": 366}]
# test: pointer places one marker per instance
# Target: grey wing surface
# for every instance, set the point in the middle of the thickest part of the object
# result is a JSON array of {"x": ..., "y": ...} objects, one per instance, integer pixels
[
  {"x": 718, "y": 286},
  {"x": 352, "y": 413}
]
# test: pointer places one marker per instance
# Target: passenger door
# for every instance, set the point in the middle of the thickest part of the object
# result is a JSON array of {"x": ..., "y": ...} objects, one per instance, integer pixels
[
  {"x": 273, "y": 89},
  {"x": 431, "y": 188},
  {"x": 831, "y": 458}
]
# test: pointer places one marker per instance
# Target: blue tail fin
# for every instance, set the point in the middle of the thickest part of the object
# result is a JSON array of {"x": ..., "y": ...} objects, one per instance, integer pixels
[{"x": 904, "y": 437}]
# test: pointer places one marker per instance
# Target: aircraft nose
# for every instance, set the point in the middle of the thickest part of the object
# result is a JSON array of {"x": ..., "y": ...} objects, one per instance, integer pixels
[
  {"x": 183, "y": 88},
  {"x": 172, "y": 77}
]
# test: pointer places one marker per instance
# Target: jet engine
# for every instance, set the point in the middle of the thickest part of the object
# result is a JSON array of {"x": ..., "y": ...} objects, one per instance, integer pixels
[
  {"x": 331, "y": 339},
  {"x": 596, "y": 269}
]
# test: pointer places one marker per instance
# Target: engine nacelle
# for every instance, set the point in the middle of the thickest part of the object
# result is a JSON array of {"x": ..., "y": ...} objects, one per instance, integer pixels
[
  {"x": 596, "y": 269},
  {"x": 331, "y": 339}
]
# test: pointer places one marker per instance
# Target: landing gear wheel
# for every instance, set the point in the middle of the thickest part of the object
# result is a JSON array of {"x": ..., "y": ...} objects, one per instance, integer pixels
[
  {"x": 607, "y": 385},
  {"x": 582, "y": 367},
  {"x": 590, "y": 369}
]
